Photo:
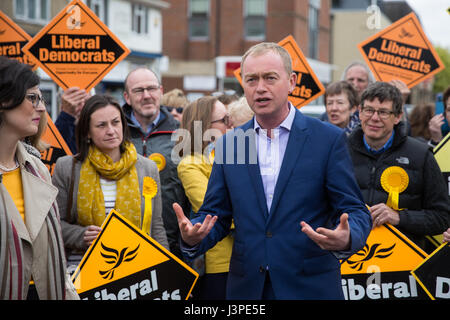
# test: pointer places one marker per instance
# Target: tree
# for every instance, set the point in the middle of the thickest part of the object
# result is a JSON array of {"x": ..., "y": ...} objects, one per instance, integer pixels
[{"x": 442, "y": 79}]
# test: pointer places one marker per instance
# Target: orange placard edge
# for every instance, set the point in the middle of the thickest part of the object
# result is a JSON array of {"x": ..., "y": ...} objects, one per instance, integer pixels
[
  {"x": 23, "y": 33},
  {"x": 54, "y": 132}
]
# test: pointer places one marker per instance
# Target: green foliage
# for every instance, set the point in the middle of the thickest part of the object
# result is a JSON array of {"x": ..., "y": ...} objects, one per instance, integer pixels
[{"x": 442, "y": 79}]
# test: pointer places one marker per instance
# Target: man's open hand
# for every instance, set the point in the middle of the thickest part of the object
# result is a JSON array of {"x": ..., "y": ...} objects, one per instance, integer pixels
[
  {"x": 193, "y": 234},
  {"x": 327, "y": 239}
]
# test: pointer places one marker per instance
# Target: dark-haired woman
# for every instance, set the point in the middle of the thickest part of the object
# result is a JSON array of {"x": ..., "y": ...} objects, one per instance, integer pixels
[
  {"x": 106, "y": 174},
  {"x": 32, "y": 259}
]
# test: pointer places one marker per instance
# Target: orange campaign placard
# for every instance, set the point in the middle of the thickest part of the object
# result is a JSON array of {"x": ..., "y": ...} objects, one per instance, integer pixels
[
  {"x": 308, "y": 86},
  {"x": 12, "y": 39},
  {"x": 401, "y": 51},
  {"x": 76, "y": 48},
  {"x": 58, "y": 146}
]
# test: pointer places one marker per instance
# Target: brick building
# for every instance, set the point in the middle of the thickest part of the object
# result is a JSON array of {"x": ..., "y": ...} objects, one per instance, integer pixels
[{"x": 204, "y": 40}]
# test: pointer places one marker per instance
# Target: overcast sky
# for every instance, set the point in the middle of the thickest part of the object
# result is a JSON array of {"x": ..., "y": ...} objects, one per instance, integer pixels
[{"x": 435, "y": 20}]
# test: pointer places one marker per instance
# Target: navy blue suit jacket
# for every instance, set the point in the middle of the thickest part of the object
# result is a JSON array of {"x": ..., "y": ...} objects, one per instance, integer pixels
[{"x": 316, "y": 184}]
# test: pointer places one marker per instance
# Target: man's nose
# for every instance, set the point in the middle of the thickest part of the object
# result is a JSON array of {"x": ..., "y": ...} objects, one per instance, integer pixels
[{"x": 261, "y": 86}]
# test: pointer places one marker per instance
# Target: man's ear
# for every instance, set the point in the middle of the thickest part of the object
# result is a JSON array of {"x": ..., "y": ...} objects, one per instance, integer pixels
[
  {"x": 292, "y": 82},
  {"x": 126, "y": 97},
  {"x": 398, "y": 118}
]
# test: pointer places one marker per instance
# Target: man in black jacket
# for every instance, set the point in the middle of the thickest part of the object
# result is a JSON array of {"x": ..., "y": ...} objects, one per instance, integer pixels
[
  {"x": 151, "y": 127},
  {"x": 398, "y": 175}
]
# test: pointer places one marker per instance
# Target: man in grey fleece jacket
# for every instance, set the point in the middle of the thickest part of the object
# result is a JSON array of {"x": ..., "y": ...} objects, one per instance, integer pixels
[{"x": 151, "y": 127}]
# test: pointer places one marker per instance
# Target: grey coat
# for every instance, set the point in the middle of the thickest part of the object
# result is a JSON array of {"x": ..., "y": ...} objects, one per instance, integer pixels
[{"x": 73, "y": 232}]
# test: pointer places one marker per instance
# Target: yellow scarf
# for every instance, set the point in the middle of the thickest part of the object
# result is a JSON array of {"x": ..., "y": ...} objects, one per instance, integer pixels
[{"x": 90, "y": 202}]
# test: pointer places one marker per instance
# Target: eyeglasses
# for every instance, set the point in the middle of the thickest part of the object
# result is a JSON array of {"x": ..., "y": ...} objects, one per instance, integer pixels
[
  {"x": 225, "y": 120},
  {"x": 140, "y": 91},
  {"x": 179, "y": 109},
  {"x": 35, "y": 99},
  {"x": 383, "y": 114}
]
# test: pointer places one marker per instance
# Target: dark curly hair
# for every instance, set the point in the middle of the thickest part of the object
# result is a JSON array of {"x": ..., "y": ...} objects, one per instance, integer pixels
[{"x": 384, "y": 92}]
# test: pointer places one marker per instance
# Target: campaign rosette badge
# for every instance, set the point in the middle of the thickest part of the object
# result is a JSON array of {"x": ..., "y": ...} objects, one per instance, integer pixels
[
  {"x": 76, "y": 49},
  {"x": 394, "y": 181}
]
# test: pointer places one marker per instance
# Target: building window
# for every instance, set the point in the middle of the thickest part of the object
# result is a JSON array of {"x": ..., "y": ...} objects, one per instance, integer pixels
[
  {"x": 99, "y": 7},
  {"x": 139, "y": 19},
  {"x": 198, "y": 19},
  {"x": 313, "y": 29},
  {"x": 255, "y": 12},
  {"x": 32, "y": 10}
]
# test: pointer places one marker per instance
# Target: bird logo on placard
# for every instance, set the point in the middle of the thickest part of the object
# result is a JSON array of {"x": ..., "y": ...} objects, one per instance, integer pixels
[
  {"x": 113, "y": 256},
  {"x": 405, "y": 33},
  {"x": 369, "y": 252}
]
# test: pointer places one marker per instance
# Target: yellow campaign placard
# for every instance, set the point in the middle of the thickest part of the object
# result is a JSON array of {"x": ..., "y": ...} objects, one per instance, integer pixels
[
  {"x": 76, "y": 48},
  {"x": 386, "y": 249},
  {"x": 124, "y": 263},
  {"x": 381, "y": 270},
  {"x": 12, "y": 39},
  {"x": 442, "y": 154},
  {"x": 401, "y": 51},
  {"x": 308, "y": 86}
]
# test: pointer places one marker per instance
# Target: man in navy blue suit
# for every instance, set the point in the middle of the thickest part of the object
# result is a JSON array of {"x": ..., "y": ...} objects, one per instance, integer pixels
[{"x": 287, "y": 183}]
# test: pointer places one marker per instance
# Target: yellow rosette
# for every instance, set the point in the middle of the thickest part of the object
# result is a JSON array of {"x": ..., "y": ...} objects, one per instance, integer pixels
[
  {"x": 394, "y": 181},
  {"x": 211, "y": 156},
  {"x": 149, "y": 190},
  {"x": 159, "y": 159}
]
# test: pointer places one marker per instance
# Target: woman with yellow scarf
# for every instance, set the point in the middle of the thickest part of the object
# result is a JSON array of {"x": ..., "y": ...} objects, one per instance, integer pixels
[{"x": 106, "y": 174}]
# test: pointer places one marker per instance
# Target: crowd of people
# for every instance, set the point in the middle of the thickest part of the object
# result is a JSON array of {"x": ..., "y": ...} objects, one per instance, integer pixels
[{"x": 274, "y": 228}]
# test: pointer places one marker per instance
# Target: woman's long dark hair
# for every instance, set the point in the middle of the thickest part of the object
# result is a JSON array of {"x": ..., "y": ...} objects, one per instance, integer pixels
[
  {"x": 15, "y": 79},
  {"x": 82, "y": 129}
]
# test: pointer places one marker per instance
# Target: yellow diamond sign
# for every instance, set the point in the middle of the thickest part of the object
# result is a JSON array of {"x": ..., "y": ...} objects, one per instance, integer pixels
[{"x": 126, "y": 264}]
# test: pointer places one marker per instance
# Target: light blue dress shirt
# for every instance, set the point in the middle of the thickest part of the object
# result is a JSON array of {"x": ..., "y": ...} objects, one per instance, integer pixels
[
  {"x": 271, "y": 152},
  {"x": 150, "y": 127}
]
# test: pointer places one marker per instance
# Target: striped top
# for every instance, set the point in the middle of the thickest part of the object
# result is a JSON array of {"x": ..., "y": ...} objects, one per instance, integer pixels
[{"x": 109, "y": 189}]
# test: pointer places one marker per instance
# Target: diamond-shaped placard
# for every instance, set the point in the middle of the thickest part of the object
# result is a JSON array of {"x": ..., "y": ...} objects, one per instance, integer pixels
[
  {"x": 308, "y": 86},
  {"x": 124, "y": 263},
  {"x": 76, "y": 48},
  {"x": 12, "y": 39},
  {"x": 401, "y": 51}
]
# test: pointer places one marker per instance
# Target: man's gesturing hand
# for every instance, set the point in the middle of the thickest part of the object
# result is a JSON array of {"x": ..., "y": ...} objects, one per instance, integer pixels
[
  {"x": 327, "y": 239},
  {"x": 193, "y": 234}
]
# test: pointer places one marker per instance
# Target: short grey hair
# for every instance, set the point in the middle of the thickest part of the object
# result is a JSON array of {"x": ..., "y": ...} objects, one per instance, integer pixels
[
  {"x": 370, "y": 76},
  {"x": 140, "y": 68},
  {"x": 264, "y": 47}
]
